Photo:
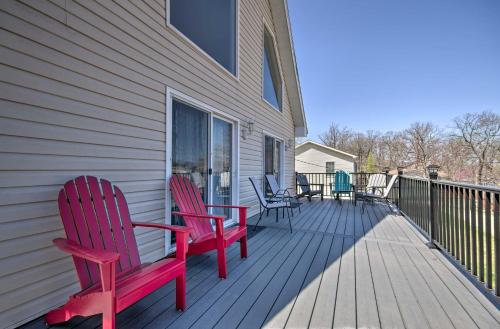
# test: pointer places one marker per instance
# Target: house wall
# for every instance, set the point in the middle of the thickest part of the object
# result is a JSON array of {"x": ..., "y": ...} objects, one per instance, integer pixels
[
  {"x": 312, "y": 159},
  {"x": 82, "y": 91}
]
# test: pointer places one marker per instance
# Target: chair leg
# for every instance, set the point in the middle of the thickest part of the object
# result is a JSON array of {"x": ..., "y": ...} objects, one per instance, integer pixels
[
  {"x": 58, "y": 315},
  {"x": 289, "y": 220},
  {"x": 258, "y": 221},
  {"x": 267, "y": 214},
  {"x": 109, "y": 315},
  {"x": 221, "y": 262},
  {"x": 180, "y": 292},
  {"x": 277, "y": 210},
  {"x": 243, "y": 247}
]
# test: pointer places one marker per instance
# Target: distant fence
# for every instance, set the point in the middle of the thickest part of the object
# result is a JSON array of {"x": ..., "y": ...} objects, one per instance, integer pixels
[{"x": 462, "y": 219}]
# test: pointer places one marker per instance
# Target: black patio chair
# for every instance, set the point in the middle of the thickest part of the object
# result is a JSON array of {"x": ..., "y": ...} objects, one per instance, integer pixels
[
  {"x": 265, "y": 204},
  {"x": 305, "y": 187}
]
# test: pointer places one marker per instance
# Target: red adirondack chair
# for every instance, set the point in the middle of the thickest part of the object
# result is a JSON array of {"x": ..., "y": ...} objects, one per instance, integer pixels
[
  {"x": 101, "y": 240},
  {"x": 192, "y": 209}
]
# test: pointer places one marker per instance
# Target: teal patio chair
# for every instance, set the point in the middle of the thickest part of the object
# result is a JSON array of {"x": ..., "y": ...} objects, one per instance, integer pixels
[{"x": 342, "y": 185}]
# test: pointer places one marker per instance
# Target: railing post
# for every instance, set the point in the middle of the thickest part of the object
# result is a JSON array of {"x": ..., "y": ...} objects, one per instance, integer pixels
[
  {"x": 433, "y": 175},
  {"x": 400, "y": 173}
]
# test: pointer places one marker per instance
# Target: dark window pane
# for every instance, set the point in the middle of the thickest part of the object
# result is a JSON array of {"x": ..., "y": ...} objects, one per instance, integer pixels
[
  {"x": 269, "y": 156},
  {"x": 272, "y": 77},
  {"x": 189, "y": 148},
  {"x": 211, "y": 25},
  {"x": 277, "y": 161},
  {"x": 330, "y": 167}
]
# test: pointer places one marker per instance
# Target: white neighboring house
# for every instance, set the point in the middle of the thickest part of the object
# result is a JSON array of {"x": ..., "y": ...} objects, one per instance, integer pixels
[{"x": 311, "y": 157}]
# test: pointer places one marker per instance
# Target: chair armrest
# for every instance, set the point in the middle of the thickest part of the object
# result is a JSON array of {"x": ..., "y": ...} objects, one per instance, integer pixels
[
  {"x": 242, "y": 212},
  {"x": 216, "y": 217},
  {"x": 181, "y": 242},
  {"x": 317, "y": 184},
  {"x": 219, "y": 226},
  {"x": 225, "y": 206},
  {"x": 97, "y": 256},
  {"x": 175, "y": 228}
]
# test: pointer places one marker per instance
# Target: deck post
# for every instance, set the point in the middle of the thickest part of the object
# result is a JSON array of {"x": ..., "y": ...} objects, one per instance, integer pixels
[
  {"x": 400, "y": 173},
  {"x": 433, "y": 174}
]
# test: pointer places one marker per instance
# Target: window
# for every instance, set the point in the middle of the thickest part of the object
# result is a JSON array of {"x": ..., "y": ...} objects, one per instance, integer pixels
[
  {"x": 272, "y": 84},
  {"x": 211, "y": 25},
  {"x": 273, "y": 159},
  {"x": 330, "y": 167}
]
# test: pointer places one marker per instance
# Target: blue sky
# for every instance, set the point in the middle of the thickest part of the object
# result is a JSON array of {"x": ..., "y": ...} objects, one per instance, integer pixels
[{"x": 383, "y": 64}]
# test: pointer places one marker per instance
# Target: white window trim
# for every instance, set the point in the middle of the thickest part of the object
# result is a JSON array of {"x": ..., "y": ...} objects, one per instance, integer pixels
[
  {"x": 267, "y": 27},
  {"x": 170, "y": 95},
  {"x": 282, "y": 156},
  {"x": 191, "y": 44}
]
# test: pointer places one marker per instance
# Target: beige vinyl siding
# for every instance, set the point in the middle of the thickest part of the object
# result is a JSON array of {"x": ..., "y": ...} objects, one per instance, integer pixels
[
  {"x": 82, "y": 91},
  {"x": 310, "y": 158}
]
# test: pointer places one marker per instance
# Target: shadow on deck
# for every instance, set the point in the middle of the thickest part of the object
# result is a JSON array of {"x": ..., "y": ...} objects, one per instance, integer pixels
[{"x": 339, "y": 268}]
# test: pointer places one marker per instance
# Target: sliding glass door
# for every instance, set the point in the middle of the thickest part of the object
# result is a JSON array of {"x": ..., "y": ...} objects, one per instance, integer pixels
[
  {"x": 203, "y": 149},
  {"x": 222, "y": 165}
]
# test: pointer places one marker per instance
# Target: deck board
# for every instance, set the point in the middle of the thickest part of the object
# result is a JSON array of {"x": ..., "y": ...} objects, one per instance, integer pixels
[{"x": 342, "y": 267}]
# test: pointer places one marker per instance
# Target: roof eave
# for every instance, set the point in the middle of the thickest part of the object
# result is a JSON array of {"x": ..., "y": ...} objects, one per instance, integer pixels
[
  {"x": 284, "y": 38},
  {"x": 327, "y": 147}
]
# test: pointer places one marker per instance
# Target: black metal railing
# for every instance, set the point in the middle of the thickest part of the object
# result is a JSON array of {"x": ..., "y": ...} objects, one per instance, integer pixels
[{"x": 462, "y": 219}]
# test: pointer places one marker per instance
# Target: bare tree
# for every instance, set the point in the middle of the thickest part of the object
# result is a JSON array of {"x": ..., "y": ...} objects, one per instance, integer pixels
[
  {"x": 392, "y": 150},
  {"x": 455, "y": 161},
  {"x": 336, "y": 137},
  {"x": 480, "y": 135},
  {"x": 423, "y": 141},
  {"x": 470, "y": 153}
]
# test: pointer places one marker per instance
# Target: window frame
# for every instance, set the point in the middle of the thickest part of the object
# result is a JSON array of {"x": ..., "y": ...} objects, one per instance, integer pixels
[
  {"x": 282, "y": 165},
  {"x": 267, "y": 27},
  {"x": 326, "y": 167},
  {"x": 172, "y": 94},
  {"x": 198, "y": 49}
]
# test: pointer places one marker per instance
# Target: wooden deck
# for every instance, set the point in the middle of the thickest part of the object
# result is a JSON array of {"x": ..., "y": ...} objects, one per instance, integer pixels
[{"x": 339, "y": 268}]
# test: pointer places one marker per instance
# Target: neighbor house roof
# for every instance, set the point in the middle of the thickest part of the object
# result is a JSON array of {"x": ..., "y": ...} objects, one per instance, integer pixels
[
  {"x": 326, "y": 148},
  {"x": 284, "y": 42}
]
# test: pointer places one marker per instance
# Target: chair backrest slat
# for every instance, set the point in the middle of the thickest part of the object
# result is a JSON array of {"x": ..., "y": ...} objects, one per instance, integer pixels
[
  {"x": 188, "y": 199},
  {"x": 376, "y": 180},
  {"x": 101, "y": 214},
  {"x": 342, "y": 181},
  {"x": 390, "y": 185},
  {"x": 273, "y": 183},
  {"x": 128, "y": 229},
  {"x": 81, "y": 225},
  {"x": 116, "y": 227},
  {"x": 72, "y": 234},
  {"x": 88, "y": 210},
  {"x": 91, "y": 218},
  {"x": 260, "y": 195},
  {"x": 304, "y": 183}
]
